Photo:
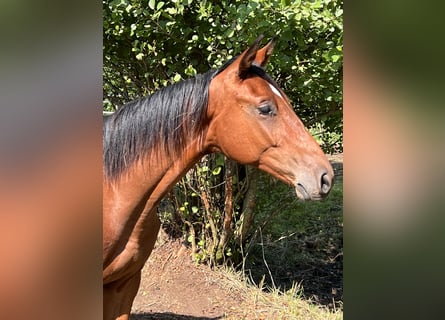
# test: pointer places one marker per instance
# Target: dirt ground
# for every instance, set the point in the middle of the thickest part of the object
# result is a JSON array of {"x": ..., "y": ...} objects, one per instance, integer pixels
[{"x": 174, "y": 287}]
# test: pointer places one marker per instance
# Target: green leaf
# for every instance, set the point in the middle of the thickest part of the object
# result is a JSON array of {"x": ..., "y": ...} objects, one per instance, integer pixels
[
  {"x": 216, "y": 171},
  {"x": 177, "y": 77},
  {"x": 194, "y": 209},
  {"x": 335, "y": 57},
  {"x": 171, "y": 10},
  {"x": 190, "y": 71},
  {"x": 160, "y": 5},
  {"x": 151, "y": 4}
]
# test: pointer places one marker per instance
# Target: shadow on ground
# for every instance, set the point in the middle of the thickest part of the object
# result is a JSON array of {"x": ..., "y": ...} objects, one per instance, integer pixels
[{"x": 168, "y": 316}]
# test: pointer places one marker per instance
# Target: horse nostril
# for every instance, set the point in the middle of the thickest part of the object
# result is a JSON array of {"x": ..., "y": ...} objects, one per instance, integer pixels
[{"x": 326, "y": 183}]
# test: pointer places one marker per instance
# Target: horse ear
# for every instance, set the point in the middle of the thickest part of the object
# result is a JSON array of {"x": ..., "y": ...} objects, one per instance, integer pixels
[
  {"x": 262, "y": 56},
  {"x": 248, "y": 57}
]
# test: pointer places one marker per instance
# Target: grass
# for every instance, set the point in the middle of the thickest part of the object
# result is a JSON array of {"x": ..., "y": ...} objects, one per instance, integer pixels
[
  {"x": 257, "y": 303},
  {"x": 298, "y": 244}
]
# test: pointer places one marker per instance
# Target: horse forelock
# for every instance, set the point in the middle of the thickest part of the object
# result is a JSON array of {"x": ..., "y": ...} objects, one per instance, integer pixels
[{"x": 162, "y": 122}]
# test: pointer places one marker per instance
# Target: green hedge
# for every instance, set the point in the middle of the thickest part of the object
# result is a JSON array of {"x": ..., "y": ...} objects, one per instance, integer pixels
[{"x": 150, "y": 44}]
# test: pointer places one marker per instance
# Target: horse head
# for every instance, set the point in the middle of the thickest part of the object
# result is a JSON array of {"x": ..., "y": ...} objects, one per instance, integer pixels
[{"x": 252, "y": 121}]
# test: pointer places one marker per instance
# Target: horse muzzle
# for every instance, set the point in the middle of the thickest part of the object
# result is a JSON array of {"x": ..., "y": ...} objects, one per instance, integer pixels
[{"x": 308, "y": 188}]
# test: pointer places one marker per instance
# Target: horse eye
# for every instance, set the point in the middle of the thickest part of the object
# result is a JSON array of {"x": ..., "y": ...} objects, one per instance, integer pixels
[{"x": 266, "y": 110}]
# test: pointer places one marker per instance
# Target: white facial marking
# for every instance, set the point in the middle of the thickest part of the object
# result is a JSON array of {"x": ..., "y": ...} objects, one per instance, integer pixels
[{"x": 274, "y": 90}]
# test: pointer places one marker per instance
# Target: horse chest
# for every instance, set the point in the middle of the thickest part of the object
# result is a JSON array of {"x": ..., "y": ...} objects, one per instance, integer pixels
[{"x": 133, "y": 251}]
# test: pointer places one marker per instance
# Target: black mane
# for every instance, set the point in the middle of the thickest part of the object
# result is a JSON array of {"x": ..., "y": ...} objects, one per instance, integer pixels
[
  {"x": 162, "y": 121},
  {"x": 165, "y": 119}
]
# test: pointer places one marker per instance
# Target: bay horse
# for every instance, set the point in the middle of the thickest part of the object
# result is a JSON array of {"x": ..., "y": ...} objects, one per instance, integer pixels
[{"x": 150, "y": 143}]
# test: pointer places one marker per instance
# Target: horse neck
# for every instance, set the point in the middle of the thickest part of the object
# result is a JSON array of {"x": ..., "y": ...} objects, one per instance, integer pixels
[
  {"x": 138, "y": 193},
  {"x": 171, "y": 171},
  {"x": 130, "y": 202}
]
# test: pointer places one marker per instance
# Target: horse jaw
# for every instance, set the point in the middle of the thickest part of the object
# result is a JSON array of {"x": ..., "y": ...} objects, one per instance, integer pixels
[{"x": 309, "y": 181}]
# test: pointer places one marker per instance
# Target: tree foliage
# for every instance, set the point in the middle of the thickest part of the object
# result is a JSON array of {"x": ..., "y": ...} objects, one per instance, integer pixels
[{"x": 149, "y": 44}]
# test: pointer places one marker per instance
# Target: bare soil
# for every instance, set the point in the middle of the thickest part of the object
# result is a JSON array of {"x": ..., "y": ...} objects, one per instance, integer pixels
[{"x": 174, "y": 287}]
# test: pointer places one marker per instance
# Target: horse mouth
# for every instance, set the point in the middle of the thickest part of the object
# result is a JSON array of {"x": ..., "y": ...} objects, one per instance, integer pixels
[{"x": 302, "y": 192}]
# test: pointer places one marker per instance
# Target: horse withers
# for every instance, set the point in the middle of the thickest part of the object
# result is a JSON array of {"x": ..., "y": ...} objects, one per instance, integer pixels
[{"x": 150, "y": 143}]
